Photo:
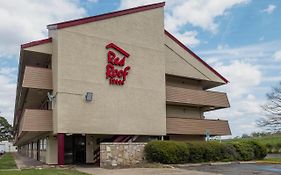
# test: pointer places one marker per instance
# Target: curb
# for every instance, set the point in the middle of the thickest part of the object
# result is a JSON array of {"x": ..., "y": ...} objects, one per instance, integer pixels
[
  {"x": 213, "y": 164},
  {"x": 268, "y": 162}
]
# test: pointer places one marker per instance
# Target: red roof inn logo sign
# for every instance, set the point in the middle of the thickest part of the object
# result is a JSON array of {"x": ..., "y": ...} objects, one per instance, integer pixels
[{"x": 114, "y": 69}]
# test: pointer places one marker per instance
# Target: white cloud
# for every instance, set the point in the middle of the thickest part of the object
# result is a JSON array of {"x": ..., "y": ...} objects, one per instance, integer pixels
[
  {"x": 251, "y": 72},
  {"x": 245, "y": 106},
  {"x": 124, "y": 4},
  {"x": 269, "y": 9},
  {"x": 277, "y": 55},
  {"x": 260, "y": 54},
  {"x": 242, "y": 76},
  {"x": 7, "y": 92},
  {"x": 222, "y": 46},
  {"x": 8, "y": 71},
  {"x": 188, "y": 37},
  {"x": 26, "y": 20},
  {"x": 273, "y": 79},
  {"x": 93, "y": 1},
  {"x": 198, "y": 13}
]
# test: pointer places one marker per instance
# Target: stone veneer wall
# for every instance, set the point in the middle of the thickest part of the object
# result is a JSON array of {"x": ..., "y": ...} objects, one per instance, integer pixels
[{"x": 121, "y": 154}]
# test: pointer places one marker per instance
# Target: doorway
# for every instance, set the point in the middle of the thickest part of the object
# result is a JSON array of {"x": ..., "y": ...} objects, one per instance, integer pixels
[
  {"x": 75, "y": 149},
  {"x": 38, "y": 150}
]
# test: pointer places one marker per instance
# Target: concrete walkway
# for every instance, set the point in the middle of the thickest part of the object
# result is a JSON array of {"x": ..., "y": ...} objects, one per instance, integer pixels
[
  {"x": 141, "y": 171},
  {"x": 26, "y": 162}
]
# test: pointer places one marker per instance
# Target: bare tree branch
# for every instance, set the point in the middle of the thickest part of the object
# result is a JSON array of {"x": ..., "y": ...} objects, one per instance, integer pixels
[{"x": 272, "y": 121}]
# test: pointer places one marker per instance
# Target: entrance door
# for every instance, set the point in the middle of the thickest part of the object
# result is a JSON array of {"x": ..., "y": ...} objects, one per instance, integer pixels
[
  {"x": 38, "y": 150},
  {"x": 75, "y": 149},
  {"x": 79, "y": 149}
]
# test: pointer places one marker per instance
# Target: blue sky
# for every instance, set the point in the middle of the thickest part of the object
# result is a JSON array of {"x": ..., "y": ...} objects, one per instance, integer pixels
[{"x": 239, "y": 38}]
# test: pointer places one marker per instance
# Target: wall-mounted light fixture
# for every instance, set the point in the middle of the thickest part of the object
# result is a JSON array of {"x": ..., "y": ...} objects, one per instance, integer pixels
[{"x": 89, "y": 96}]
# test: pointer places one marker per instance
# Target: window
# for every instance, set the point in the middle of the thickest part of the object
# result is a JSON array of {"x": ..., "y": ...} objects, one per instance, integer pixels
[
  {"x": 44, "y": 144},
  {"x": 41, "y": 144},
  {"x": 34, "y": 146}
]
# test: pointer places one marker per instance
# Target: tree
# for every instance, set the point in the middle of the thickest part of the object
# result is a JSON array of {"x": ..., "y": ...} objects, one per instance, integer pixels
[
  {"x": 272, "y": 121},
  {"x": 6, "y": 130},
  {"x": 245, "y": 136}
]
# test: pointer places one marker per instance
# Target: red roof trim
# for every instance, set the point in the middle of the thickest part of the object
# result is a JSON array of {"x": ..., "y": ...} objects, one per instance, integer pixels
[
  {"x": 35, "y": 43},
  {"x": 195, "y": 56},
  {"x": 104, "y": 16}
]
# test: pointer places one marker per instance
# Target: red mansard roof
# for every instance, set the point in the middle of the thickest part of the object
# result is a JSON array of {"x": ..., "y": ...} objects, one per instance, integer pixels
[
  {"x": 104, "y": 16},
  {"x": 35, "y": 43}
]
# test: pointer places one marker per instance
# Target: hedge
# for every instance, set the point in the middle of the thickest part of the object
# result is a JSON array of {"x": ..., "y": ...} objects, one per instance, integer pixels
[
  {"x": 173, "y": 152},
  {"x": 167, "y": 152},
  {"x": 273, "y": 147}
]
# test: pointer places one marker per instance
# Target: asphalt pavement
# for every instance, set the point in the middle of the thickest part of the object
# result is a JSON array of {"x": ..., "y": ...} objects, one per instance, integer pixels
[{"x": 239, "y": 169}]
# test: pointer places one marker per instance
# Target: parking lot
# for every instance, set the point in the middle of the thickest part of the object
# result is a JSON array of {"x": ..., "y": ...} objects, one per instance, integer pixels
[{"x": 239, "y": 169}]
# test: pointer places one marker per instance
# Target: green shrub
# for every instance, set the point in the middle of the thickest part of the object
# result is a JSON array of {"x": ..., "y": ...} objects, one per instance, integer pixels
[
  {"x": 167, "y": 152},
  {"x": 269, "y": 147},
  {"x": 245, "y": 150},
  {"x": 196, "y": 152},
  {"x": 213, "y": 151},
  {"x": 278, "y": 145},
  {"x": 259, "y": 149},
  {"x": 229, "y": 153}
]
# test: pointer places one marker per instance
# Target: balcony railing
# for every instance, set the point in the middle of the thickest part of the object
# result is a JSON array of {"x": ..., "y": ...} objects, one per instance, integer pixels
[
  {"x": 35, "y": 120},
  {"x": 197, "y": 126},
  {"x": 38, "y": 78},
  {"x": 183, "y": 96}
]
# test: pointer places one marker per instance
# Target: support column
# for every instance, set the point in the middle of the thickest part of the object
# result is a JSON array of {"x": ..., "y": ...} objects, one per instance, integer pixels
[{"x": 60, "y": 138}]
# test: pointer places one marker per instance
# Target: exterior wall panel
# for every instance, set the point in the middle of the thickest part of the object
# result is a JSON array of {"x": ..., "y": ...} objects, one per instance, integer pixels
[
  {"x": 183, "y": 112},
  {"x": 36, "y": 77},
  {"x": 196, "y": 97},
  {"x": 37, "y": 120},
  {"x": 81, "y": 61},
  {"x": 183, "y": 83},
  {"x": 181, "y": 63},
  {"x": 197, "y": 126}
]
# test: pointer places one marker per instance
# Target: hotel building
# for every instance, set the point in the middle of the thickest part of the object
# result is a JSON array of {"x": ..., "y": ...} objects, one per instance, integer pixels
[{"x": 116, "y": 77}]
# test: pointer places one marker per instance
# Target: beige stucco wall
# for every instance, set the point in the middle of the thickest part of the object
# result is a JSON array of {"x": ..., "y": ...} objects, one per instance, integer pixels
[
  {"x": 52, "y": 150},
  {"x": 42, "y": 48},
  {"x": 180, "y": 63},
  {"x": 55, "y": 72},
  {"x": 183, "y": 82},
  {"x": 184, "y": 112},
  {"x": 90, "y": 148},
  {"x": 79, "y": 64}
]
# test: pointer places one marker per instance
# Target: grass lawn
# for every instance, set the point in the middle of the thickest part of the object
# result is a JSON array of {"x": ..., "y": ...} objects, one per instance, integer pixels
[
  {"x": 272, "y": 160},
  {"x": 7, "y": 162},
  {"x": 272, "y": 142},
  {"x": 271, "y": 139},
  {"x": 47, "y": 171}
]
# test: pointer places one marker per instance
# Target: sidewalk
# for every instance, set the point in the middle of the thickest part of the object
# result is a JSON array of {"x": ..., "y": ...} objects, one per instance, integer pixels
[
  {"x": 141, "y": 171},
  {"x": 26, "y": 162}
]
